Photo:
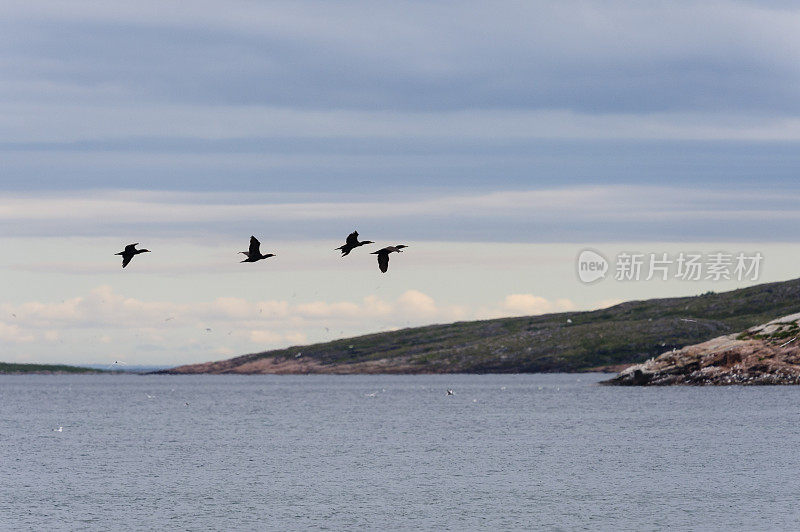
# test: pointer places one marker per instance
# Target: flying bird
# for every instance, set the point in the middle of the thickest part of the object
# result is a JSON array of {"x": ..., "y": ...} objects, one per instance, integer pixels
[
  {"x": 129, "y": 252},
  {"x": 352, "y": 243},
  {"x": 383, "y": 255},
  {"x": 254, "y": 253}
]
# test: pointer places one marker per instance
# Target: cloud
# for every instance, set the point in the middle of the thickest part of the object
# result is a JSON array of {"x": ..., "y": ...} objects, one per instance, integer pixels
[
  {"x": 585, "y": 56},
  {"x": 296, "y": 338},
  {"x": 599, "y": 212},
  {"x": 320, "y": 309},
  {"x": 103, "y": 307},
  {"x": 13, "y": 334},
  {"x": 138, "y": 329},
  {"x": 529, "y": 304},
  {"x": 357, "y": 96},
  {"x": 161, "y": 135},
  {"x": 265, "y": 337},
  {"x": 415, "y": 302},
  {"x": 377, "y": 89}
]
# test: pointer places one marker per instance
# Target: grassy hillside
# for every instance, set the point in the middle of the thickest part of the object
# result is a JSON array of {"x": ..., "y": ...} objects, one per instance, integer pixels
[
  {"x": 7, "y": 367},
  {"x": 571, "y": 341}
]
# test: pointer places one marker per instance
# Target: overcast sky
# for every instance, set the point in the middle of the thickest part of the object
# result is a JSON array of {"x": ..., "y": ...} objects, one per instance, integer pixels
[{"x": 497, "y": 139}]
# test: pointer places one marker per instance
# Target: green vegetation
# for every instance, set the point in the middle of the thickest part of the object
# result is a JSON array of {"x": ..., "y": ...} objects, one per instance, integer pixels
[
  {"x": 7, "y": 367},
  {"x": 627, "y": 333},
  {"x": 781, "y": 331}
]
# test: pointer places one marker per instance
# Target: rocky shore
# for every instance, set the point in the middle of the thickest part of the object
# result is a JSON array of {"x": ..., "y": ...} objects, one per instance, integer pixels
[{"x": 762, "y": 355}]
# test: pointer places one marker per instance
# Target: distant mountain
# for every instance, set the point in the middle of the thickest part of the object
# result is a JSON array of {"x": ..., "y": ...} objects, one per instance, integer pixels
[
  {"x": 565, "y": 342},
  {"x": 8, "y": 367}
]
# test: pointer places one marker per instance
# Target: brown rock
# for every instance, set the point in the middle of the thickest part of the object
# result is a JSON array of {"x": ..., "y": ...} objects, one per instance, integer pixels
[{"x": 766, "y": 354}]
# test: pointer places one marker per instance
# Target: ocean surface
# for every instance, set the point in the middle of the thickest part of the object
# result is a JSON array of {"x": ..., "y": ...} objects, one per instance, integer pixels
[{"x": 394, "y": 452}]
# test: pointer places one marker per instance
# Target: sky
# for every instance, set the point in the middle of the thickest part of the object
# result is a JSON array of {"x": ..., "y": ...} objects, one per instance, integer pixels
[{"x": 496, "y": 140}]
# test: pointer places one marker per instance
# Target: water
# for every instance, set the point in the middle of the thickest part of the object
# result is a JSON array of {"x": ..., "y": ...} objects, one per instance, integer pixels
[{"x": 320, "y": 452}]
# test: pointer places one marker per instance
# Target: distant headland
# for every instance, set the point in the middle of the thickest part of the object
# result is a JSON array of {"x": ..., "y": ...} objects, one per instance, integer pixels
[{"x": 14, "y": 369}]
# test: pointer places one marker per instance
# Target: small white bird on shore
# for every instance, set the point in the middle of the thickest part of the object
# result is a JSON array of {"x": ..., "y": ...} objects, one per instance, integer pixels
[{"x": 59, "y": 429}]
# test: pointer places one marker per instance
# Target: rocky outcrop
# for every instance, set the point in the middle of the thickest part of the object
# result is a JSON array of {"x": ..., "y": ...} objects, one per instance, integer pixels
[{"x": 765, "y": 354}]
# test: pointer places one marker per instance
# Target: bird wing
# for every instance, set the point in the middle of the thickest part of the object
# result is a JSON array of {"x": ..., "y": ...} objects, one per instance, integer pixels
[
  {"x": 255, "y": 247},
  {"x": 383, "y": 261},
  {"x": 126, "y": 258},
  {"x": 352, "y": 238},
  {"x": 130, "y": 248}
]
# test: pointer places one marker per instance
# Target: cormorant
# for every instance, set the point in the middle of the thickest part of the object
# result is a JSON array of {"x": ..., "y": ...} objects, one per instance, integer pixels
[
  {"x": 352, "y": 242},
  {"x": 254, "y": 253},
  {"x": 129, "y": 252},
  {"x": 383, "y": 255}
]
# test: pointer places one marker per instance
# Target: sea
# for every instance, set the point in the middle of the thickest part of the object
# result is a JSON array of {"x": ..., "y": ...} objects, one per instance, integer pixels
[{"x": 367, "y": 452}]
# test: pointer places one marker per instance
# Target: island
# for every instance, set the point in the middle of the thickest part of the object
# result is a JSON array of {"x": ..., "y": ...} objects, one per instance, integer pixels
[{"x": 15, "y": 369}]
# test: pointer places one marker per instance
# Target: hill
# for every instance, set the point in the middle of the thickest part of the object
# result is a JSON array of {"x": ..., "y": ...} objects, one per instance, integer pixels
[{"x": 627, "y": 333}]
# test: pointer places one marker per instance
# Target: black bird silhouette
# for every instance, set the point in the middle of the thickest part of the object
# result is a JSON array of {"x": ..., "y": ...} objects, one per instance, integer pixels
[
  {"x": 383, "y": 255},
  {"x": 352, "y": 243},
  {"x": 254, "y": 254},
  {"x": 129, "y": 252}
]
